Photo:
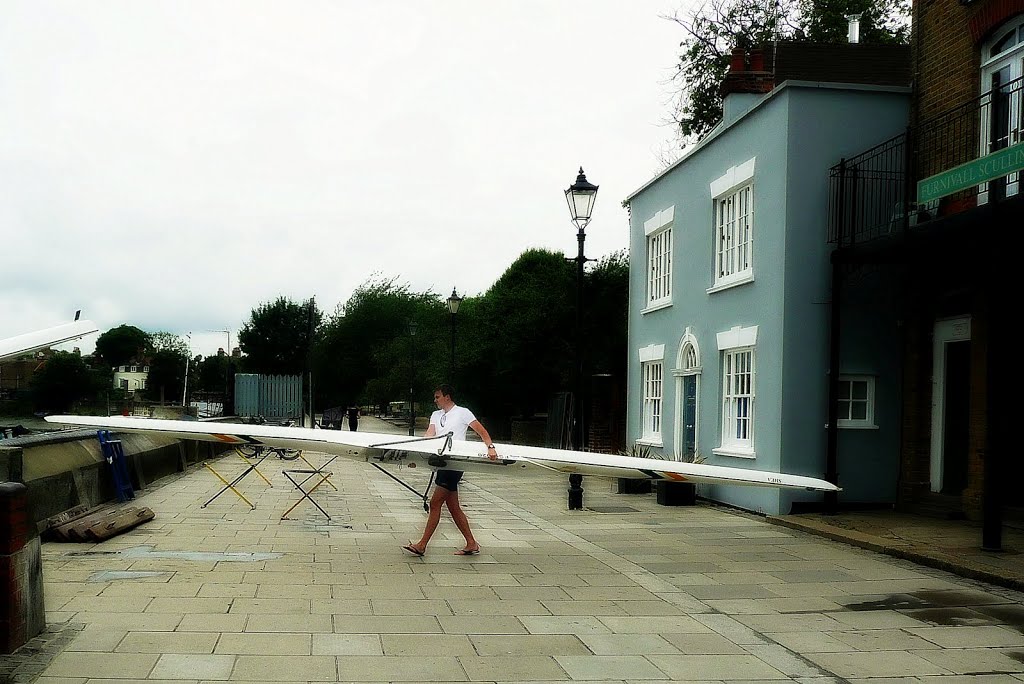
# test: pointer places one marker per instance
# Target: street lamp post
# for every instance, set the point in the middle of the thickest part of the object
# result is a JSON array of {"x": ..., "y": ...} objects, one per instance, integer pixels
[
  {"x": 580, "y": 196},
  {"x": 453, "y": 308},
  {"x": 412, "y": 380},
  {"x": 188, "y": 357}
]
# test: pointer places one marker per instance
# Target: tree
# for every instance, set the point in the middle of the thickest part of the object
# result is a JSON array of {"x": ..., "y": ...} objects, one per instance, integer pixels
[
  {"x": 607, "y": 310},
  {"x": 521, "y": 349},
  {"x": 63, "y": 380},
  {"x": 122, "y": 344},
  {"x": 363, "y": 352},
  {"x": 713, "y": 29},
  {"x": 276, "y": 339},
  {"x": 166, "y": 379},
  {"x": 881, "y": 21},
  {"x": 165, "y": 341}
]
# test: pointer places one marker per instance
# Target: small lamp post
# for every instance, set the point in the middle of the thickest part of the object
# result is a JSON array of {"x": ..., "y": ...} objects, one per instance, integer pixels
[
  {"x": 188, "y": 357},
  {"x": 412, "y": 380},
  {"x": 453, "y": 308},
  {"x": 580, "y": 196}
]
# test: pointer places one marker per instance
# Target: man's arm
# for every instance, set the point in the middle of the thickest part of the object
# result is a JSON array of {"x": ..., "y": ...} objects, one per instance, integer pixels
[
  {"x": 479, "y": 429},
  {"x": 430, "y": 431}
]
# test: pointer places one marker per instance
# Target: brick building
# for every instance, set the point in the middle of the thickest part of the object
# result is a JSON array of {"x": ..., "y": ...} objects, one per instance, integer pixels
[{"x": 926, "y": 227}]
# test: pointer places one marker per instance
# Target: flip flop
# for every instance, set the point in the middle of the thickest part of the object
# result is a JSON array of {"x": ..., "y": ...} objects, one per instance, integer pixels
[
  {"x": 413, "y": 550},
  {"x": 467, "y": 552}
]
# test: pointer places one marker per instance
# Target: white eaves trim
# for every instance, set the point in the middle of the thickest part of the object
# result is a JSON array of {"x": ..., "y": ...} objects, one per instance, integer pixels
[
  {"x": 659, "y": 220},
  {"x": 652, "y": 352},
  {"x": 737, "y": 337},
  {"x": 733, "y": 178}
]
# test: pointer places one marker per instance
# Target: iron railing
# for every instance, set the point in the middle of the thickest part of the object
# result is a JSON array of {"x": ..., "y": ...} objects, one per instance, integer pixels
[
  {"x": 874, "y": 194},
  {"x": 867, "y": 193}
]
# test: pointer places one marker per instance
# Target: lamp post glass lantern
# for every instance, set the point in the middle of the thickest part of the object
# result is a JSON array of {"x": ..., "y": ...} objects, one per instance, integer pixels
[
  {"x": 454, "y": 301},
  {"x": 580, "y": 196},
  {"x": 412, "y": 379}
]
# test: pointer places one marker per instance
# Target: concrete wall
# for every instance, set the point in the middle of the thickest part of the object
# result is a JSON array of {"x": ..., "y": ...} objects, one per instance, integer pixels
[{"x": 62, "y": 472}]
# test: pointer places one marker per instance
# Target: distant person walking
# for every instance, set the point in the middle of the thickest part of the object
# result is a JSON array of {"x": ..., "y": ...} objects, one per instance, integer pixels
[
  {"x": 450, "y": 417},
  {"x": 353, "y": 418}
]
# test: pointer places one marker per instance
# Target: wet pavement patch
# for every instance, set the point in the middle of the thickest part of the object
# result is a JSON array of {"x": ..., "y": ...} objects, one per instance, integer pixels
[
  {"x": 110, "y": 575},
  {"x": 1009, "y": 615},
  {"x": 198, "y": 556},
  {"x": 891, "y": 602},
  {"x": 951, "y": 617},
  {"x": 958, "y": 598}
]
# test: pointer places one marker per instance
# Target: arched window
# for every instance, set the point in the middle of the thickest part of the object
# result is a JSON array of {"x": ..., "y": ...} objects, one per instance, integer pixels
[{"x": 687, "y": 373}]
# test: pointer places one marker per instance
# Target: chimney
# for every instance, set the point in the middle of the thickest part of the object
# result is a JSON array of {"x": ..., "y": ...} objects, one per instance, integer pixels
[
  {"x": 854, "y": 32},
  {"x": 747, "y": 73}
]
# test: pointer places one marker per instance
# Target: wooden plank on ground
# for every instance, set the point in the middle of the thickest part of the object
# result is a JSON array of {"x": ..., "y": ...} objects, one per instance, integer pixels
[
  {"x": 61, "y": 532},
  {"x": 76, "y": 530},
  {"x": 115, "y": 524}
]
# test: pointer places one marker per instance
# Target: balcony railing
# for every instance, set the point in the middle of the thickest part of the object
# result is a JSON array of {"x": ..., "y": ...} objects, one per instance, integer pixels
[{"x": 877, "y": 194}]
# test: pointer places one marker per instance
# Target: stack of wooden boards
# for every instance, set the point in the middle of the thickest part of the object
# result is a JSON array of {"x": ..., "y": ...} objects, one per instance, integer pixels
[{"x": 96, "y": 524}]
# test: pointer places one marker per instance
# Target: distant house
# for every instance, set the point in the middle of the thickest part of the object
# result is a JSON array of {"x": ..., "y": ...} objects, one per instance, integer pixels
[
  {"x": 729, "y": 283},
  {"x": 131, "y": 376},
  {"x": 17, "y": 373}
]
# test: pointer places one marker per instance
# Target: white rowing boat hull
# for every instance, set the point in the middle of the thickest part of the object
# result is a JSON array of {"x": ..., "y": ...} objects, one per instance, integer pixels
[
  {"x": 414, "y": 452},
  {"x": 40, "y": 339}
]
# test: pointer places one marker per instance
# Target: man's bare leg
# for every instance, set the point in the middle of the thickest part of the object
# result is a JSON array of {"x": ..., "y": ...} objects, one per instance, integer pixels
[
  {"x": 461, "y": 521},
  {"x": 437, "y": 500}
]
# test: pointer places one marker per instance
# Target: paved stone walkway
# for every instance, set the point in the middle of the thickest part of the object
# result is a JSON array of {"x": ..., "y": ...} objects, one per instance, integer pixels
[{"x": 638, "y": 593}]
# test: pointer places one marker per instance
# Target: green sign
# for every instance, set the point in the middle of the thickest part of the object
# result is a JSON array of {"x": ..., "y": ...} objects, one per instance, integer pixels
[{"x": 995, "y": 165}]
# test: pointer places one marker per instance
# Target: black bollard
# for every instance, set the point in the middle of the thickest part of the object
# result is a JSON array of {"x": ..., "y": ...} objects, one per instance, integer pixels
[{"x": 575, "y": 492}]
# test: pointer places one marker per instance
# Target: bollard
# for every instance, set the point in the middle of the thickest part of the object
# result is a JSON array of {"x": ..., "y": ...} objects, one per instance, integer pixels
[
  {"x": 22, "y": 615},
  {"x": 575, "y": 492}
]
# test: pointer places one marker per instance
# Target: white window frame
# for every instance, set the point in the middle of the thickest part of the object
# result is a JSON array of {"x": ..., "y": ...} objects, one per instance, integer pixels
[
  {"x": 732, "y": 197},
  {"x": 123, "y": 383},
  {"x": 846, "y": 422},
  {"x": 737, "y": 348},
  {"x": 134, "y": 369},
  {"x": 652, "y": 392},
  {"x": 1012, "y": 59},
  {"x": 658, "y": 232}
]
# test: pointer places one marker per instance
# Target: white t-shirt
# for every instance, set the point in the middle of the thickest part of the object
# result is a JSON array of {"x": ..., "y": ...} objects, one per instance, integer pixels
[{"x": 455, "y": 421}]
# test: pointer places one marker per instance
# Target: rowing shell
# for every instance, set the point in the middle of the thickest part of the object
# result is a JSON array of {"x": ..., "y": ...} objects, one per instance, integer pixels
[{"x": 443, "y": 452}]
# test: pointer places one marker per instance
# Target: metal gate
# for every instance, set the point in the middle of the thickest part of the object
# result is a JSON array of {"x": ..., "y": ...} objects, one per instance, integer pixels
[{"x": 270, "y": 396}]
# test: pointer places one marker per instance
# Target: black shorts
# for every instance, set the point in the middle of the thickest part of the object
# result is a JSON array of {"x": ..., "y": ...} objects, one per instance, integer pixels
[{"x": 449, "y": 479}]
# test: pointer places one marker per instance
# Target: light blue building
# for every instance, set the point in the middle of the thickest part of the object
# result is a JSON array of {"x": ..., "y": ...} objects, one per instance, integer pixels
[{"x": 730, "y": 275}]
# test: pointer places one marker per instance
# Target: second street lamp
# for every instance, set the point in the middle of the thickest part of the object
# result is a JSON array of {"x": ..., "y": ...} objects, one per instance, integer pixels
[
  {"x": 580, "y": 196},
  {"x": 412, "y": 380},
  {"x": 453, "y": 308}
]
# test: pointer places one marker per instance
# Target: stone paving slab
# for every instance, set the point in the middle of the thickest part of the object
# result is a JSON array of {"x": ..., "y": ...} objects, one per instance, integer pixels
[{"x": 645, "y": 594}]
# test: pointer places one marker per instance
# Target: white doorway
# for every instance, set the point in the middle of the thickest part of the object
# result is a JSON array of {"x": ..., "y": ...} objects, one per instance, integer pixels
[{"x": 950, "y": 405}]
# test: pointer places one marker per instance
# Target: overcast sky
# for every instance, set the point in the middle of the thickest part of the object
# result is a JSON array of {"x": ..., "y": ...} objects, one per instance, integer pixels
[{"x": 171, "y": 165}]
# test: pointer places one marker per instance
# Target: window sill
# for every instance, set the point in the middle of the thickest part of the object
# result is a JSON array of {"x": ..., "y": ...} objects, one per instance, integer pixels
[
  {"x": 857, "y": 426},
  {"x": 727, "y": 284},
  {"x": 735, "y": 452},
  {"x": 650, "y": 442},
  {"x": 657, "y": 306}
]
